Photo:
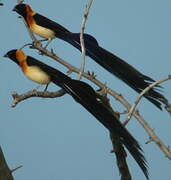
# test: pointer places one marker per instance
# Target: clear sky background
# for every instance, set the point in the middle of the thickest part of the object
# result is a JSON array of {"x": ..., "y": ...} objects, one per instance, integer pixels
[{"x": 57, "y": 138}]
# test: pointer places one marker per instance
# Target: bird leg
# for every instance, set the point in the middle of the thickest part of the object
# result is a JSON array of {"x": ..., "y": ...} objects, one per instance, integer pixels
[
  {"x": 49, "y": 41},
  {"x": 37, "y": 87},
  {"x": 46, "y": 87}
]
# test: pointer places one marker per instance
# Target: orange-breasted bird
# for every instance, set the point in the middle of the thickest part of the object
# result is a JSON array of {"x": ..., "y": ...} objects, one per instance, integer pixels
[
  {"x": 49, "y": 29},
  {"x": 82, "y": 93}
]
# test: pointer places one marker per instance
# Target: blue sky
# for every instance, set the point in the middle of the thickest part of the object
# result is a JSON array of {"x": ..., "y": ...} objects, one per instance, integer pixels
[{"x": 57, "y": 138}]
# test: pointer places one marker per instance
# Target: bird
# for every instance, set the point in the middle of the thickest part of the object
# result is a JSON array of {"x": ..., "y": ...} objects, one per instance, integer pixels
[
  {"x": 83, "y": 94},
  {"x": 48, "y": 29}
]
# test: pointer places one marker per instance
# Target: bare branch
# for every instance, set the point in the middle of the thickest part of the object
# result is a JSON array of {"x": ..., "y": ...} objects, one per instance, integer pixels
[
  {"x": 144, "y": 124},
  {"x": 45, "y": 94},
  {"x": 140, "y": 96},
  {"x": 153, "y": 136},
  {"x": 83, "y": 51}
]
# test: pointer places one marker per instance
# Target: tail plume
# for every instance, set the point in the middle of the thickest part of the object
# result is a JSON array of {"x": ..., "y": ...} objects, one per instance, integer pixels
[
  {"x": 117, "y": 67},
  {"x": 86, "y": 96}
]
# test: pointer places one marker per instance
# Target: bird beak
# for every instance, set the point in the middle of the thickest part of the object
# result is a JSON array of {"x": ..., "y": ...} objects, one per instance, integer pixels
[
  {"x": 14, "y": 9},
  {"x": 5, "y": 55}
]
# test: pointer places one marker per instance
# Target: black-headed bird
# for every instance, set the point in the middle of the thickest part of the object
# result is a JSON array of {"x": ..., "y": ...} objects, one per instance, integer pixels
[
  {"x": 82, "y": 93},
  {"x": 49, "y": 29}
]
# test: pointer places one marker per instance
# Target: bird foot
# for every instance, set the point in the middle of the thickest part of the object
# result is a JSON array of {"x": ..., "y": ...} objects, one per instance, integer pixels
[
  {"x": 37, "y": 43},
  {"x": 52, "y": 51},
  {"x": 103, "y": 91},
  {"x": 25, "y": 45},
  {"x": 92, "y": 74}
]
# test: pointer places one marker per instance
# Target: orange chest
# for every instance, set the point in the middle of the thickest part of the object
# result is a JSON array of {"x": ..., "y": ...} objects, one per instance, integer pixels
[
  {"x": 30, "y": 20},
  {"x": 23, "y": 66}
]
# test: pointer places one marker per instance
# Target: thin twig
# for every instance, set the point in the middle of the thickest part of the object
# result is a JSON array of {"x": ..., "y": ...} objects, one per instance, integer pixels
[
  {"x": 140, "y": 96},
  {"x": 83, "y": 51},
  {"x": 15, "y": 169},
  {"x": 154, "y": 137}
]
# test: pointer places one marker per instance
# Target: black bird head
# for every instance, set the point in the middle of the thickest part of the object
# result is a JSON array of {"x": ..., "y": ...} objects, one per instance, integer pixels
[
  {"x": 21, "y": 9},
  {"x": 12, "y": 55}
]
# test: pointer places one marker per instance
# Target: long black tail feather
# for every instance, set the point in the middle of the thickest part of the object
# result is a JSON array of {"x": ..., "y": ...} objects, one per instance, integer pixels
[
  {"x": 86, "y": 96},
  {"x": 117, "y": 67}
]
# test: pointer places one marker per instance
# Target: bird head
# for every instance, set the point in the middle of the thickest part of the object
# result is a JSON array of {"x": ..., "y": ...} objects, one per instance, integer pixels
[
  {"x": 12, "y": 54},
  {"x": 21, "y": 9}
]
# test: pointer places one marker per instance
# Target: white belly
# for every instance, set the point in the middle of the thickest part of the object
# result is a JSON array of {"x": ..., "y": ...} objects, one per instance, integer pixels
[
  {"x": 37, "y": 75},
  {"x": 42, "y": 32}
]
